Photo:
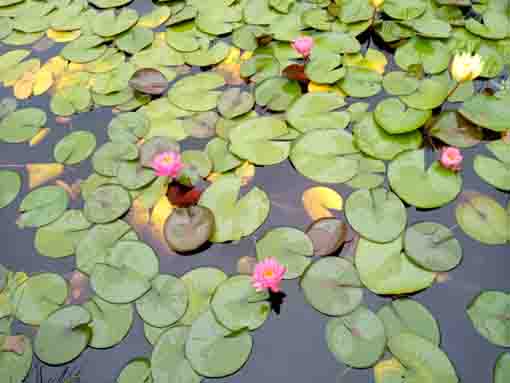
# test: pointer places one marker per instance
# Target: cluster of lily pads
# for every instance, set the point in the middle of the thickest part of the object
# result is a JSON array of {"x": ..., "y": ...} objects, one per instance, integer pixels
[{"x": 235, "y": 80}]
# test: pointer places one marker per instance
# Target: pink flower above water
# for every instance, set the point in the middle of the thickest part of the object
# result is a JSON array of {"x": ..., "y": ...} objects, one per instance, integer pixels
[
  {"x": 451, "y": 158},
  {"x": 167, "y": 164},
  {"x": 303, "y": 45},
  {"x": 268, "y": 274}
]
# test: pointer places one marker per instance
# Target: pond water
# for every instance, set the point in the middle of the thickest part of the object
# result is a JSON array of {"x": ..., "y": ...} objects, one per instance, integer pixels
[{"x": 291, "y": 345}]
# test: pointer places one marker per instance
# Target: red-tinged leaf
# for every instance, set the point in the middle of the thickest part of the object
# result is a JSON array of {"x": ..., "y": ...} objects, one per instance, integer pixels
[
  {"x": 295, "y": 72},
  {"x": 264, "y": 40},
  {"x": 149, "y": 81},
  {"x": 183, "y": 196},
  {"x": 14, "y": 344}
]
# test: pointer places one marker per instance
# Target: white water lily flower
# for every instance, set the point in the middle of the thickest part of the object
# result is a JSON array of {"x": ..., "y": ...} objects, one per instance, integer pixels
[
  {"x": 466, "y": 67},
  {"x": 377, "y": 3}
]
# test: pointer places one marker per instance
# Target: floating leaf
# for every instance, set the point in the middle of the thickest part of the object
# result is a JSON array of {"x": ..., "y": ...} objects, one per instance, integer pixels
[
  {"x": 187, "y": 229},
  {"x": 75, "y": 147},
  {"x": 69, "y": 327},
  {"x": 107, "y": 158},
  {"x": 39, "y": 174},
  {"x": 327, "y": 235},
  {"x": 129, "y": 127},
  {"x": 107, "y": 203},
  {"x": 10, "y": 186},
  {"x": 277, "y": 93},
  {"x": 21, "y": 125},
  {"x": 196, "y": 93},
  {"x": 356, "y": 339},
  {"x": 137, "y": 370},
  {"x": 15, "y": 364},
  {"x": 42, "y": 206},
  {"x": 502, "y": 368},
  {"x": 432, "y": 246},
  {"x": 489, "y": 112},
  {"x": 149, "y": 81},
  {"x": 393, "y": 116},
  {"x": 317, "y": 200},
  {"x": 453, "y": 129},
  {"x": 165, "y": 303},
  {"x": 234, "y": 219},
  {"x": 495, "y": 171},
  {"x": 233, "y": 103},
  {"x": 226, "y": 352},
  {"x": 332, "y": 286},
  {"x": 291, "y": 248},
  {"x": 154, "y": 146}
]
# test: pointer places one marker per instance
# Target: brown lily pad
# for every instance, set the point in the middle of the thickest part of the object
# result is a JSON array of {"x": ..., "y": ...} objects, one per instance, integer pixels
[{"x": 187, "y": 229}]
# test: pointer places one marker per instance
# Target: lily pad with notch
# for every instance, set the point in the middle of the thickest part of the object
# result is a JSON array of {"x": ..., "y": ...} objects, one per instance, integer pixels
[
  {"x": 107, "y": 203},
  {"x": 327, "y": 235},
  {"x": 187, "y": 229},
  {"x": 393, "y": 116},
  {"x": 75, "y": 147},
  {"x": 42, "y": 206},
  {"x": 495, "y": 171}
]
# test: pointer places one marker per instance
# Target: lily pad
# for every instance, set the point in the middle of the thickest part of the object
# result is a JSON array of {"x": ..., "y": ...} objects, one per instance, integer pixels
[
  {"x": 165, "y": 303},
  {"x": 237, "y": 305},
  {"x": 127, "y": 272},
  {"x": 371, "y": 172},
  {"x": 10, "y": 186},
  {"x": 15, "y": 367},
  {"x": 234, "y": 219},
  {"x": 322, "y": 155},
  {"x": 197, "y": 93},
  {"x": 432, "y": 246},
  {"x": 408, "y": 316},
  {"x": 453, "y": 129},
  {"x": 109, "y": 23},
  {"x": 137, "y": 370},
  {"x": 168, "y": 362},
  {"x": 110, "y": 322},
  {"x": 433, "y": 55},
  {"x": 376, "y": 214},
  {"x": 385, "y": 269},
  {"x": 60, "y": 238},
  {"x": 393, "y": 116},
  {"x": 134, "y": 40},
  {"x": 133, "y": 176},
  {"x": 432, "y": 92},
  {"x": 361, "y": 82},
  {"x": 502, "y": 368},
  {"x": 356, "y": 339},
  {"x": 107, "y": 158},
  {"x": 75, "y": 147},
  {"x": 67, "y": 326},
  {"x": 214, "y": 351},
  {"x": 422, "y": 359},
  {"x": 482, "y": 218},
  {"x": 495, "y": 171},
  {"x": 404, "y": 9},
  {"x": 186, "y": 229},
  {"x": 234, "y": 102},
  {"x": 38, "y": 297},
  {"x": 107, "y": 203},
  {"x": 201, "y": 284},
  {"x": 222, "y": 159},
  {"x": 129, "y": 127},
  {"x": 423, "y": 188},
  {"x": 291, "y": 248},
  {"x": 400, "y": 83},
  {"x": 332, "y": 286},
  {"x": 21, "y": 125},
  {"x": 277, "y": 93},
  {"x": 149, "y": 81},
  {"x": 42, "y": 206},
  {"x": 315, "y": 111},
  {"x": 489, "y": 112},
  {"x": 257, "y": 140},
  {"x": 327, "y": 235}
]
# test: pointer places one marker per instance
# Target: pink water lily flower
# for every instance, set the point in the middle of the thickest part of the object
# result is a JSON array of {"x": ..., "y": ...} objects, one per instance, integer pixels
[
  {"x": 303, "y": 45},
  {"x": 268, "y": 274},
  {"x": 451, "y": 158},
  {"x": 167, "y": 164}
]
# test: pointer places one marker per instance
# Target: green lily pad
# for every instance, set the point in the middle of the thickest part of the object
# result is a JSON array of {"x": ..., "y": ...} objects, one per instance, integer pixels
[
  {"x": 107, "y": 203},
  {"x": 322, "y": 155},
  {"x": 502, "y": 368},
  {"x": 453, "y": 129},
  {"x": 129, "y": 127},
  {"x": 489, "y": 112},
  {"x": 432, "y": 246},
  {"x": 490, "y": 315},
  {"x": 75, "y": 147},
  {"x": 134, "y": 40},
  {"x": 133, "y": 176},
  {"x": 234, "y": 219},
  {"x": 60, "y": 238},
  {"x": 69, "y": 328},
  {"x": 482, "y": 218},
  {"x": 110, "y": 322},
  {"x": 109, "y": 23},
  {"x": 400, "y": 83},
  {"x": 107, "y": 158},
  {"x": 431, "y": 93},
  {"x": 95, "y": 246},
  {"x": 376, "y": 142},
  {"x": 234, "y": 102},
  {"x": 214, "y": 351},
  {"x": 332, "y": 286},
  {"x": 196, "y": 93},
  {"x": 495, "y": 25},
  {"x": 371, "y": 172},
  {"x": 237, "y": 305},
  {"x": 260, "y": 67},
  {"x": 256, "y": 140},
  {"x": 408, "y": 316},
  {"x": 315, "y": 111},
  {"x": 127, "y": 272},
  {"x": 201, "y": 284},
  {"x": 137, "y": 370},
  {"x": 495, "y": 171},
  {"x": 168, "y": 362},
  {"x": 207, "y": 55},
  {"x": 404, "y": 9},
  {"x": 361, "y": 82},
  {"x": 277, "y": 93},
  {"x": 433, "y": 55},
  {"x": 394, "y": 117},
  {"x": 21, "y": 125},
  {"x": 85, "y": 49},
  {"x": 385, "y": 269},
  {"x": 222, "y": 159},
  {"x": 199, "y": 160},
  {"x": 165, "y": 303},
  {"x": 423, "y": 188},
  {"x": 10, "y": 186},
  {"x": 325, "y": 68},
  {"x": 422, "y": 359},
  {"x": 356, "y": 339},
  {"x": 15, "y": 367},
  {"x": 291, "y": 248},
  {"x": 70, "y": 100},
  {"x": 376, "y": 214},
  {"x": 42, "y": 206},
  {"x": 38, "y": 297}
]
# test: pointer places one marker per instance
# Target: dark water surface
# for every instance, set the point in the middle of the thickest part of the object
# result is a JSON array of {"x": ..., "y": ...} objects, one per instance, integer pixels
[{"x": 290, "y": 347}]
